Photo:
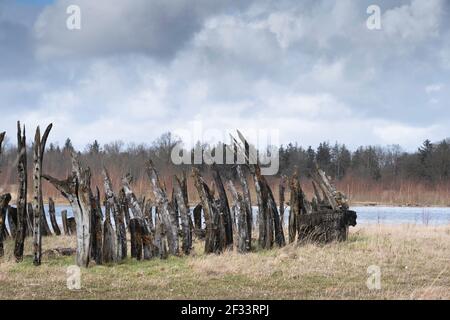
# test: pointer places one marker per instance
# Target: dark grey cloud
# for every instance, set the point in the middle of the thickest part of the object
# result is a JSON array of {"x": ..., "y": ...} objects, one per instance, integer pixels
[
  {"x": 308, "y": 68},
  {"x": 158, "y": 28}
]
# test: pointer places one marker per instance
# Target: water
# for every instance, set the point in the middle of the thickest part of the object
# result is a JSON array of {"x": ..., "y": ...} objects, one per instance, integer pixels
[
  {"x": 403, "y": 215},
  {"x": 366, "y": 215}
]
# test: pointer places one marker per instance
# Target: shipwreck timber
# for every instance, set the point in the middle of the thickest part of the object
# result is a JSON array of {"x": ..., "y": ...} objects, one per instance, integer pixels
[{"x": 157, "y": 226}]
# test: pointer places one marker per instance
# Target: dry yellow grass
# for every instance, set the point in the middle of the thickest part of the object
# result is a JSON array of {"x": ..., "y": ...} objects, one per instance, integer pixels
[{"x": 414, "y": 262}]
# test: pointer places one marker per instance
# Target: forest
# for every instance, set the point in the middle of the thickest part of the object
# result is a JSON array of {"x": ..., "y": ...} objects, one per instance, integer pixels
[{"x": 369, "y": 174}]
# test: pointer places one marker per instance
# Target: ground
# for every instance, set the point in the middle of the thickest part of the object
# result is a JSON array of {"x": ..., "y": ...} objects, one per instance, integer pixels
[{"x": 414, "y": 263}]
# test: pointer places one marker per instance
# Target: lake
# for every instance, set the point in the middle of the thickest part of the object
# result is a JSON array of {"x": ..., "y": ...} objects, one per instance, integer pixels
[{"x": 366, "y": 215}]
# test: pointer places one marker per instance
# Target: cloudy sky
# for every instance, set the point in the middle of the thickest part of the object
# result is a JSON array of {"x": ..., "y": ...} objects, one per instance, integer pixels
[{"x": 310, "y": 69}]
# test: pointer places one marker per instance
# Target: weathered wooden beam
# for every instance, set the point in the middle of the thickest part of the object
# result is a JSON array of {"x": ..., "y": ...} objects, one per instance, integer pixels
[
  {"x": 316, "y": 193},
  {"x": 29, "y": 219},
  {"x": 224, "y": 208},
  {"x": 97, "y": 227},
  {"x": 281, "y": 192},
  {"x": 72, "y": 225},
  {"x": 160, "y": 238},
  {"x": 136, "y": 238},
  {"x": 277, "y": 219},
  {"x": 240, "y": 211},
  {"x": 12, "y": 220},
  {"x": 77, "y": 190},
  {"x": 326, "y": 225},
  {"x": 124, "y": 208},
  {"x": 4, "y": 203},
  {"x": 2, "y": 138},
  {"x": 118, "y": 214},
  {"x": 184, "y": 215},
  {"x": 295, "y": 206},
  {"x": 64, "y": 222},
  {"x": 22, "y": 225},
  {"x": 40, "y": 221},
  {"x": 197, "y": 213},
  {"x": 109, "y": 239},
  {"x": 269, "y": 221},
  {"x": 148, "y": 214},
  {"x": 274, "y": 229},
  {"x": 319, "y": 177},
  {"x": 45, "y": 226},
  {"x": 37, "y": 209},
  {"x": 138, "y": 214},
  {"x": 52, "y": 212},
  {"x": 174, "y": 215},
  {"x": 247, "y": 201},
  {"x": 59, "y": 252},
  {"x": 214, "y": 228},
  {"x": 166, "y": 210}
]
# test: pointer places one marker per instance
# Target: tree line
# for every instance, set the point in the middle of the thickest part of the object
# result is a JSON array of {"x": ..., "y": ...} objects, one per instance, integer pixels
[{"x": 428, "y": 164}]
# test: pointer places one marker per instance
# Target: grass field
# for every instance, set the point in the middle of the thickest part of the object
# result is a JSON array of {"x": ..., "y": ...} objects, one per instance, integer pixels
[{"x": 414, "y": 262}]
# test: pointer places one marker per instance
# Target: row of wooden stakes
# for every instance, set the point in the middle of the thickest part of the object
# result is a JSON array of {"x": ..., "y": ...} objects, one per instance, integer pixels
[{"x": 157, "y": 227}]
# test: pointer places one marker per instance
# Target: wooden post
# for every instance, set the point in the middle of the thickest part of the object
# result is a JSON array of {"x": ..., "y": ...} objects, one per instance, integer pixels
[
  {"x": 118, "y": 214},
  {"x": 37, "y": 226},
  {"x": 52, "y": 212},
  {"x": 97, "y": 228},
  {"x": 160, "y": 238},
  {"x": 316, "y": 193},
  {"x": 174, "y": 215},
  {"x": 38, "y": 210},
  {"x": 29, "y": 220},
  {"x": 21, "y": 193},
  {"x": 241, "y": 211},
  {"x": 148, "y": 213},
  {"x": 166, "y": 210},
  {"x": 12, "y": 220},
  {"x": 138, "y": 214},
  {"x": 214, "y": 227},
  {"x": 64, "y": 222},
  {"x": 4, "y": 203},
  {"x": 247, "y": 201},
  {"x": 78, "y": 191},
  {"x": 37, "y": 236},
  {"x": 224, "y": 208},
  {"x": 45, "y": 226},
  {"x": 282, "y": 189},
  {"x": 109, "y": 246},
  {"x": 197, "y": 213},
  {"x": 123, "y": 203},
  {"x": 136, "y": 238},
  {"x": 2, "y": 137},
  {"x": 184, "y": 215},
  {"x": 72, "y": 225},
  {"x": 269, "y": 220},
  {"x": 273, "y": 224},
  {"x": 295, "y": 207}
]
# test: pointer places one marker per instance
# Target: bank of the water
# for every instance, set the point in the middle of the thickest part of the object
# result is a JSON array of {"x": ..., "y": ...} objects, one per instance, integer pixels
[{"x": 413, "y": 262}]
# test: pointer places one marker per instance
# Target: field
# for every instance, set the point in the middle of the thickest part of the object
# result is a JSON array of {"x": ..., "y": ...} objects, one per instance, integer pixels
[{"x": 414, "y": 262}]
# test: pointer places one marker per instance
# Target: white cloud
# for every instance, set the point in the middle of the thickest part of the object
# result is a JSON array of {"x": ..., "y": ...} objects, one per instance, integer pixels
[
  {"x": 309, "y": 69},
  {"x": 436, "y": 87},
  {"x": 407, "y": 135},
  {"x": 415, "y": 22}
]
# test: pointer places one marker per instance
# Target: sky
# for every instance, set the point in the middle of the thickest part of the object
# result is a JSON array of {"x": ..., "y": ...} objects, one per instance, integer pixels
[{"x": 311, "y": 70}]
